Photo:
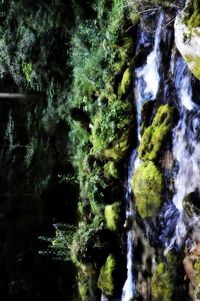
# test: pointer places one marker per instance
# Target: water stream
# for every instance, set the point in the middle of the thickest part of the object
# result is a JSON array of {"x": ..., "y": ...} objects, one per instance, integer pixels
[
  {"x": 186, "y": 147},
  {"x": 146, "y": 85}
]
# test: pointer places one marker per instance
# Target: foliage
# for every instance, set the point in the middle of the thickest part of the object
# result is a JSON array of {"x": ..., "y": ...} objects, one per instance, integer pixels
[
  {"x": 76, "y": 244},
  {"x": 148, "y": 184}
]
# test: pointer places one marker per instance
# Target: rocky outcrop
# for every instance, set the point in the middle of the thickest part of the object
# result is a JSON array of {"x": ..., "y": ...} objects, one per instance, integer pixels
[{"x": 187, "y": 35}]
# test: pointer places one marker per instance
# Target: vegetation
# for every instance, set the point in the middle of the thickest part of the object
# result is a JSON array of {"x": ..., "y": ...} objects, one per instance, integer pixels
[
  {"x": 101, "y": 122},
  {"x": 148, "y": 184}
]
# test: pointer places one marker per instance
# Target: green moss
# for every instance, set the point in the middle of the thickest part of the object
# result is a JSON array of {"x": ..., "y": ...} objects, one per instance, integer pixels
[
  {"x": 147, "y": 185},
  {"x": 194, "y": 64},
  {"x": 106, "y": 277},
  {"x": 162, "y": 284},
  {"x": 125, "y": 83},
  {"x": 113, "y": 216},
  {"x": 84, "y": 291},
  {"x": 156, "y": 134},
  {"x": 192, "y": 15},
  {"x": 134, "y": 17},
  {"x": 110, "y": 170}
]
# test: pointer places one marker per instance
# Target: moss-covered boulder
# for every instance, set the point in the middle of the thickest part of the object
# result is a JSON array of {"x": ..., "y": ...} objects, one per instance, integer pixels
[
  {"x": 106, "y": 281},
  {"x": 154, "y": 136},
  {"x": 162, "y": 283},
  {"x": 147, "y": 185},
  {"x": 113, "y": 216},
  {"x": 111, "y": 130},
  {"x": 187, "y": 35},
  {"x": 125, "y": 83}
]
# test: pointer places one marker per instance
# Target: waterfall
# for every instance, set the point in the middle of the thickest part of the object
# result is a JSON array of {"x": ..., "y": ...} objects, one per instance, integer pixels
[
  {"x": 146, "y": 85},
  {"x": 186, "y": 147}
]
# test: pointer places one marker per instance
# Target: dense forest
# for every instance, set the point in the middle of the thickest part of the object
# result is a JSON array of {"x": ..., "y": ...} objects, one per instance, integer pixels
[{"x": 99, "y": 150}]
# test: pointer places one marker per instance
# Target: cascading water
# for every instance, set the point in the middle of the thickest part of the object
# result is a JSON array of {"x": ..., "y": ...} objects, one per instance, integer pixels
[
  {"x": 186, "y": 147},
  {"x": 146, "y": 85}
]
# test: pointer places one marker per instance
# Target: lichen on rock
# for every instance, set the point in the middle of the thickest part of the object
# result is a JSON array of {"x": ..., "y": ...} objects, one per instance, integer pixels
[
  {"x": 154, "y": 136},
  {"x": 148, "y": 185}
]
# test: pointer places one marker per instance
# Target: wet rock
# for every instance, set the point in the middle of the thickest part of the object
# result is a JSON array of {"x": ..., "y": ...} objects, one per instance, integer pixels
[
  {"x": 187, "y": 35},
  {"x": 191, "y": 204}
]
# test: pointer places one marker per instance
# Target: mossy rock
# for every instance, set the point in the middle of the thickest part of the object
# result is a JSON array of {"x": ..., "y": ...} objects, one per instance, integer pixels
[
  {"x": 110, "y": 170},
  {"x": 154, "y": 136},
  {"x": 113, "y": 216},
  {"x": 162, "y": 284},
  {"x": 148, "y": 184},
  {"x": 187, "y": 35},
  {"x": 106, "y": 281},
  {"x": 125, "y": 83}
]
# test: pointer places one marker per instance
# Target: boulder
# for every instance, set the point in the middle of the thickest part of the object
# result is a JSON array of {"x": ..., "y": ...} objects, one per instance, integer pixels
[
  {"x": 148, "y": 185},
  {"x": 187, "y": 35}
]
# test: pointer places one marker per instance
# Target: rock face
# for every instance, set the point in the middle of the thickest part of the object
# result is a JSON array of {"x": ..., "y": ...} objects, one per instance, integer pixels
[{"x": 187, "y": 35}]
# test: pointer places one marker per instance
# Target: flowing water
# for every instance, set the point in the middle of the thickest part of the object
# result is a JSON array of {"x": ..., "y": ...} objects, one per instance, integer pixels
[
  {"x": 186, "y": 148},
  {"x": 146, "y": 85}
]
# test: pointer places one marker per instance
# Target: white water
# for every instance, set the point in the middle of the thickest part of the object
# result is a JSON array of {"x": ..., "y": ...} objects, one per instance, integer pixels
[
  {"x": 146, "y": 87},
  {"x": 186, "y": 148},
  {"x": 147, "y": 77}
]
